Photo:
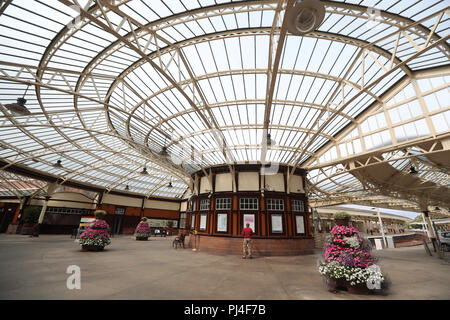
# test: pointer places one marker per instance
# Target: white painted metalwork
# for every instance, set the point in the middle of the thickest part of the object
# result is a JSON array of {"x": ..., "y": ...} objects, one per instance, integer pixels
[{"x": 113, "y": 82}]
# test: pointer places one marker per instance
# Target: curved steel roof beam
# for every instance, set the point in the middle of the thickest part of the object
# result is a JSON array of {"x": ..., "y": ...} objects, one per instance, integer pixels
[
  {"x": 419, "y": 52},
  {"x": 249, "y": 101},
  {"x": 248, "y": 127},
  {"x": 247, "y": 147},
  {"x": 76, "y": 93}
]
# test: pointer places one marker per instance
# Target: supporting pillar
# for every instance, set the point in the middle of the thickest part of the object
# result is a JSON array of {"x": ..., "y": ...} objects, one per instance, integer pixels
[
  {"x": 19, "y": 210},
  {"x": 430, "y": 229},
  {"x": 381, "y": 228},
  {"x": 99, "y": 200},
  {"x": 44, "y": 208},
  {"x": 142, "y": 207}
]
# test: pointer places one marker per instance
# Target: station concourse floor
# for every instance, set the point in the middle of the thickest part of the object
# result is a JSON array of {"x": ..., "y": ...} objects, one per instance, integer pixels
[{"x": 35, "y": 268}]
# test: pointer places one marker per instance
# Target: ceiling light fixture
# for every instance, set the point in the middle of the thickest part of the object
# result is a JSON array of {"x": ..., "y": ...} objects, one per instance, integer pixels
[
  {"x": 164, "y": 152},
  {"x": 412, "y": 170},
  {"x": 269, "y": 140},
  {"x": 144, "y": 171},
  {"x": 58, "y": 164},
  {"x": 127, "y": 188},
  {"x": 19, "y": 107},
  {"x": 305, "y": 16}
]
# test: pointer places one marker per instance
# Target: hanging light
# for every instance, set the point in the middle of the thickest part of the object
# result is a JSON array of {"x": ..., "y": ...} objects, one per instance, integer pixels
[
  {"x": 19, "y": 107},
  {"x": 305, "y": 16},
  {"x": 127, "y": 188},
  {"x": 163, "y": 152},
  {"x": 58, "y": 164},
  {"x": 144, "y": 171},
  {"x": 269, "y": 140},
  {"x": 412, "y": 170},
  {"x": 170, "y": 185}
]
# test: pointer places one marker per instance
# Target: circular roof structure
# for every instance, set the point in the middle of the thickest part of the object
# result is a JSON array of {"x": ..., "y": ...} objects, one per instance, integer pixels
[{"x": 113, "y": 87}]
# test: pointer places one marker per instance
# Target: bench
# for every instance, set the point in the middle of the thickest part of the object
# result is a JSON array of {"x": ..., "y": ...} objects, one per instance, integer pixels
[{"x": 179, "y": 241}]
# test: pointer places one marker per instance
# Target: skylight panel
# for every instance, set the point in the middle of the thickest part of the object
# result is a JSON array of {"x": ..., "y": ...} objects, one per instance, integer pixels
[
  {"x": 205, "y": 3},
  {"x": 206, "y": 26},
  {"x": 329, "y": 21},
  {"x": 239, "y": 87},
  {"x": 262, "y": 51},
  {"x": 195, "y": 28},
  {"x": 242, "y": 20},
  {"x": 441, "y": 122},
  {"x": 229, "y": 21},
  {"x": 306, "y": 51}
]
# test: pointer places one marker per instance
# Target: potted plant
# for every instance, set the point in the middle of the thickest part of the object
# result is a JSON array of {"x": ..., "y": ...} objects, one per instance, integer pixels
[
  {"x": 348, "y": 263},
  {"x": 342, "y": 218},
  {"x": 142, "y": 231},
  {"x": 96, "y": 236},
  {"x": 31, "y": 218},
  {"x": 100, "y": 214}
]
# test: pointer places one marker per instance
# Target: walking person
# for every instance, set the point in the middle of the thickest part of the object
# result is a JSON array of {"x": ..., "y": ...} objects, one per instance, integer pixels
[{"x": 248, "y": 242}]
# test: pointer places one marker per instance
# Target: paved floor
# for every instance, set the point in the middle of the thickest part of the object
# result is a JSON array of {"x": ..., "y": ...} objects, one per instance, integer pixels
[{"x": 35, "y": 268}]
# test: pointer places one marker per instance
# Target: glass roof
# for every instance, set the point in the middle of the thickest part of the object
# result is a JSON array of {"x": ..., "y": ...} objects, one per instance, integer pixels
[{"x": 109, "y": 86}]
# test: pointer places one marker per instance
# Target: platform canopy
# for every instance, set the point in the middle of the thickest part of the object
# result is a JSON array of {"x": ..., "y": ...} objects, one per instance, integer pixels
[{"x": 177, "y": 86}]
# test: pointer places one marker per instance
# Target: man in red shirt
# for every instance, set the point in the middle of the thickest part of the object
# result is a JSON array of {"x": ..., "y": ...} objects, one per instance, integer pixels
[{"x": 247, "y": 245}]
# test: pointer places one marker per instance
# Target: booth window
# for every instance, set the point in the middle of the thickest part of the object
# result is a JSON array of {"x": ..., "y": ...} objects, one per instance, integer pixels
[
  {"x": 275, "y": 204},
  {"x": 248, "y": 203},
  {"x": 204, "y": 204},
  {"x": 223, "y": 204},
  {"x": 298, "y": 206}
]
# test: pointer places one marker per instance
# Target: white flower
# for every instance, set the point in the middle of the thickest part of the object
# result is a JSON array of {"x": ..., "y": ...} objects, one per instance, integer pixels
[{"x": 352, "y": 242}]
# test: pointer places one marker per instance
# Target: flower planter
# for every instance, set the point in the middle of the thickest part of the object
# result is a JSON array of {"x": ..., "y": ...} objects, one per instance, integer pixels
[
  {"x": 360, "y": 288},
  {"x": 341, "y": 222},
  {"x": 96, "y": 237},
  {"x": 90, "y": 247},
  {"x": 142, "y": 238},
  {"x": 12, "y": 228},
  {"x": 331, "y": 285},
  {"x": 27, "y": 229},
  {"x": 341, "y": 284}
]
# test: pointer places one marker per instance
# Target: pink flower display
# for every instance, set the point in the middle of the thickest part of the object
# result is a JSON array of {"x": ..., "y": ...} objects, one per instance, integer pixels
[
  {"x": 339, "y": 250},
  {"x": 96, "y": 234},
  {"x": 142, "y": 229}
]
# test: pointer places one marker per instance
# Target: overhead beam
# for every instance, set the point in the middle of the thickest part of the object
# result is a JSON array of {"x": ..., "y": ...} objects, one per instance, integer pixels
[{"x": 305, "y": 145}]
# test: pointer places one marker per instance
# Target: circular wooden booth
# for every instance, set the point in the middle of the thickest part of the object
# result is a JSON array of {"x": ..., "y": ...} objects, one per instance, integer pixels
[{"x": 225, "y": 198}]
